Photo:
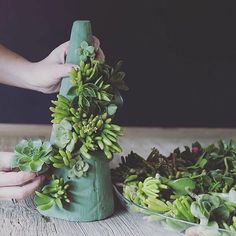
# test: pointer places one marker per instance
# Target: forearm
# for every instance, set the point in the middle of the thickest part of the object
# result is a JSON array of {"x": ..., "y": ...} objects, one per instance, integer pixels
[
  {"x": 42, "y": 76},
  {"x": 14, "y": 69}
]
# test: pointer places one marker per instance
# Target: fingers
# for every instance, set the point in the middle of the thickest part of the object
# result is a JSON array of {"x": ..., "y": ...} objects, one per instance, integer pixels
[
  {"x": 62, "y": 70},
  {"x": 63, "y": 50},
  {"x": 96, "y": 43},
  {"x": 21, "y": 192},
  {"x": 15, "y": 178},
  {"x": 55, "y": 72},
  {"x": 56, "y": 88},
  {"x": 64, "y": 47},
  {"x": 5, "y": 161},
  {"x": 58, "y": 55},
  {"x": 100, "y": 55}
]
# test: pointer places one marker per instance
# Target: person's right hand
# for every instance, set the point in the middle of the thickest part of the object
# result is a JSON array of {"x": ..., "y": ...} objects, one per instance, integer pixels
[
  {"x": 45, "y": 76},
  {"x": 16, "y": 184}
]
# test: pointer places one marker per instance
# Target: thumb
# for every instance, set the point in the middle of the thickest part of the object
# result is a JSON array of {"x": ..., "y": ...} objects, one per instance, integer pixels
[
  {"x": 62, "y": 70},
  {"x": 6, "y": 161}
]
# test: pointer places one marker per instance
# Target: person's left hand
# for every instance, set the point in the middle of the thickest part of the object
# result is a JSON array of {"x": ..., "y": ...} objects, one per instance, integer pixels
[
  {"x": 16, "y": 184},
  {"x": 45, "y": 76}
]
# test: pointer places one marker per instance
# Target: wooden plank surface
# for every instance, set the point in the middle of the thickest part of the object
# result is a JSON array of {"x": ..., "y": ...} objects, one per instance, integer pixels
[{"x": 22, "y": 219}]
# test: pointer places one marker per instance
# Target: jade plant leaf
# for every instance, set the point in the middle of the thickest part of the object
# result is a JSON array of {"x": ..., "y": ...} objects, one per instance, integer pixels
[{"x": 32, "y": 155}]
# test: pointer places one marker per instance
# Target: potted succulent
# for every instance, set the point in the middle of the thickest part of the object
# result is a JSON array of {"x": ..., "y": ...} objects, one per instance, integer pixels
[{"x": 83, "y": 138}]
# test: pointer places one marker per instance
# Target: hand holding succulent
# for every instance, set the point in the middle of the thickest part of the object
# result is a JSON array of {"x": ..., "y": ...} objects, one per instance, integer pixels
[
  {"x": 82, "y": 124},
  {"x": 16, "y": 184}
]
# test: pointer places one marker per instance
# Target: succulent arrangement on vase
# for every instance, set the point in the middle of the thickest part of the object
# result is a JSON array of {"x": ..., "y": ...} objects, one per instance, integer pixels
[{"x": 84, "y": 137}]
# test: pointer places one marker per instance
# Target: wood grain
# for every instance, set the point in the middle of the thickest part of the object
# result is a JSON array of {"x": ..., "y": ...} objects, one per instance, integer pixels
[{"x": 22, "y": 219}]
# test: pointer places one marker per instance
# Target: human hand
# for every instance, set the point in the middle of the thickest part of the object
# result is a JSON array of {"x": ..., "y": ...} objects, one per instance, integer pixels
[
  {"x": 45, "y": 76},
  {"x": 16, "y": 185}
]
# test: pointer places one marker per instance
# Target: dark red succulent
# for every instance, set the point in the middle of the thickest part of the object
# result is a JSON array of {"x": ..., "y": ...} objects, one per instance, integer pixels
[{"x": 195, "y": 150}]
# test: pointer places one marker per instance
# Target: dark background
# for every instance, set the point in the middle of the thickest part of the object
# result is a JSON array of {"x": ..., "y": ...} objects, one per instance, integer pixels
[{"x": 180, "y": 56}]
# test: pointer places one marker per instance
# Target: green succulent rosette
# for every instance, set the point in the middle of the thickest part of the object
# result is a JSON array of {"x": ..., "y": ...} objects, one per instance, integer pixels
[{"x": 32, "y": 155}]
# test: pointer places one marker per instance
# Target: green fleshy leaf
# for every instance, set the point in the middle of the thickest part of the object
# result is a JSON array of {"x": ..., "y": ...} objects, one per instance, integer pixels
[
  {"x": 90, "y": 49},
  {"x": 25, "y": 167},
  {"x": 46, "y": 206},
  {"x": 62, "y": 134},
  {"x": 85, "y": 102},
  {"x": 36, "y": 166},
  {"x": 41, "y": 199},
  {"x": 59, "y": 203},
  {"x": 73, "y": 91},
  {"x": 111, "y": 110},
  {"x": 84, "y": 45},
  {"x": 83, "y": 58},
  {"x": 66, "y": 124},
  {"x": 37, "y": 143},
  {"x": 32, "y": 155}
]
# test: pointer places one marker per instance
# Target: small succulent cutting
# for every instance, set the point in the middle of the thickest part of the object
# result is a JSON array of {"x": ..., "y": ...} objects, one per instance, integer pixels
[
  {"x": 78, "y": 168},
  {"x": 64, "y": 136},
  {"x": 61, "y": 159},
  {"x": 85, "y": 51},
  {"x": 32, "y": 155},
  {"x": 54, "y": 193},
  {"x": 147, "y": 193},
  {"x": 195, "y": 185}
]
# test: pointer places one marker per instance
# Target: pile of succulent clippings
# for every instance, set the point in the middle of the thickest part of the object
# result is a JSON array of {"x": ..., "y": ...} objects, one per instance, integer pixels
[{"x": 196, "y": 185}]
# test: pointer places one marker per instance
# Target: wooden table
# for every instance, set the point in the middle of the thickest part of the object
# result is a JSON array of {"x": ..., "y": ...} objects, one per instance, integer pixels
[{"x": 22, "y": 218}]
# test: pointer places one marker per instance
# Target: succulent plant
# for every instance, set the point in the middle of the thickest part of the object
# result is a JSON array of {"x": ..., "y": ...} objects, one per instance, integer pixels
[
  {"x": 63, "y": 135},
  {"x": 147, "y": 194},
  {"x": 32, "y": 155},
  {"x": 56, "y": 192},
  {"x": 117, "y": 77},
  {"x": 86, "y": 51},
  {"x": 111, "y": 109},
  {"x": 89, "y": 88},
  {"x": 78, "y": 167},
  {"x": 61, "y": 159},
  {"x": 61, "y": 109},
  {"x": 232, "y": 226},
  {"x": 181, "y": 209},
  {"x": 97, "y": 132},
  {"x": 107, "y": 138}
]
